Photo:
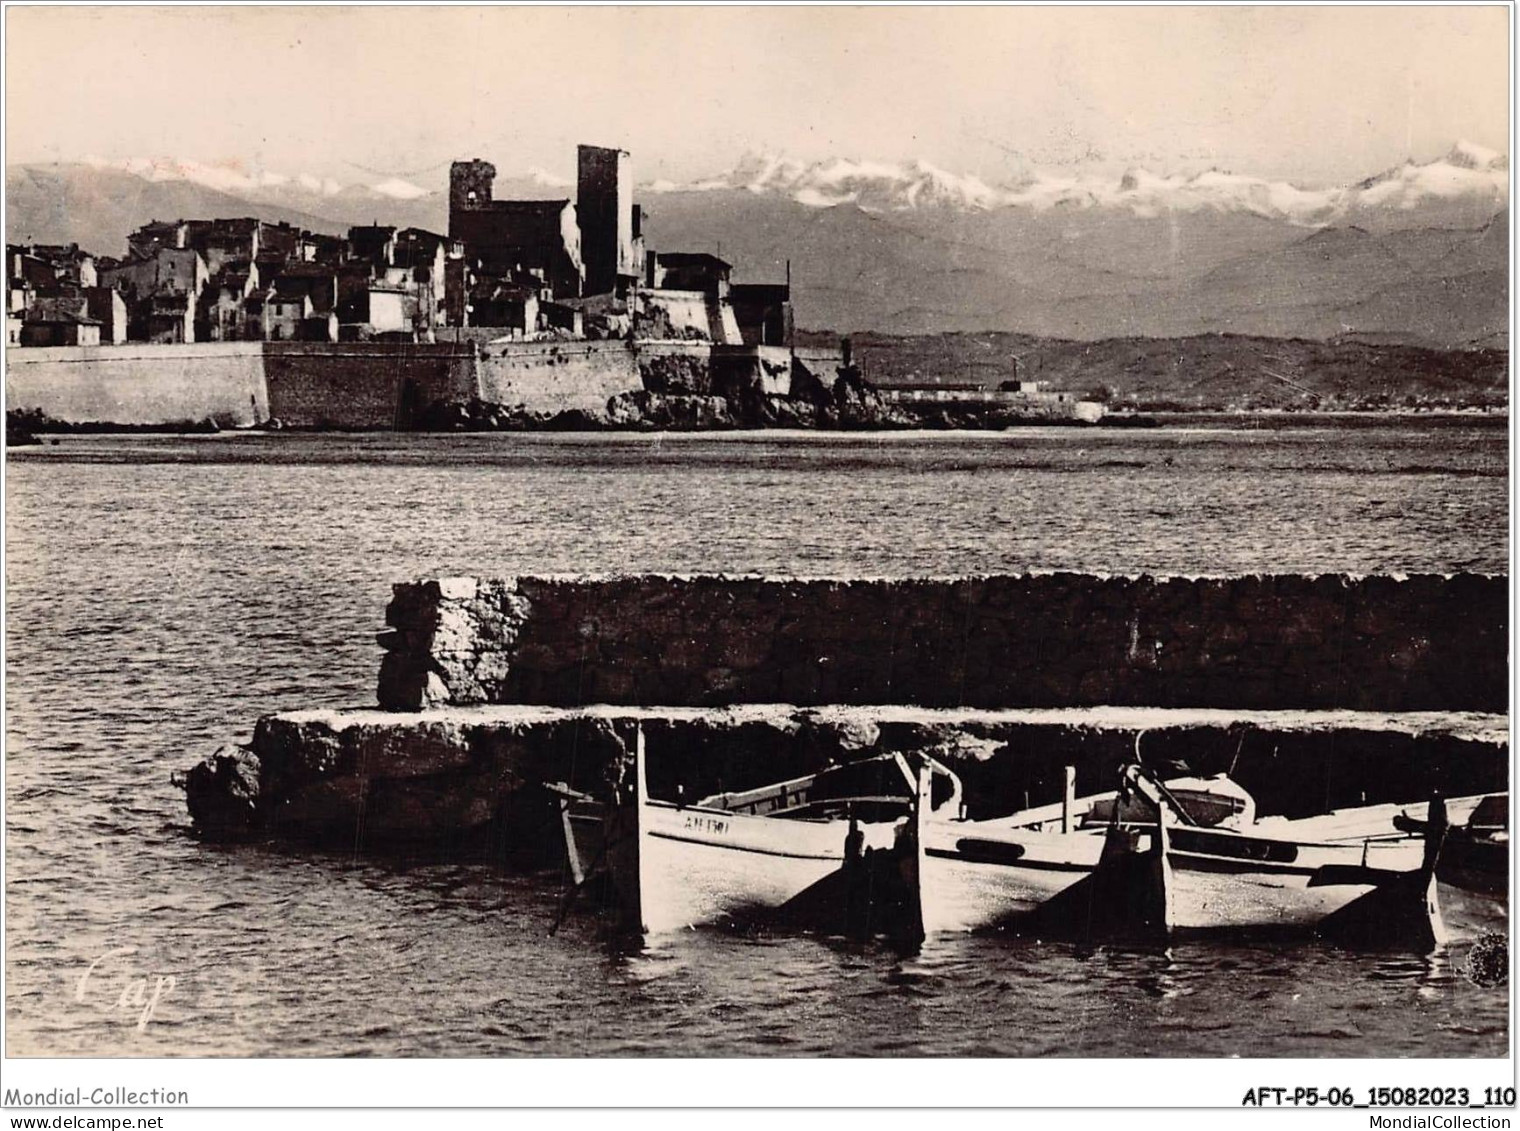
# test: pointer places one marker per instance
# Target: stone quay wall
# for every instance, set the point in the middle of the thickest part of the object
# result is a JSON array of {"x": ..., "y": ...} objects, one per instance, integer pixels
[
  {"x": 323, "y": 385},
  {"x": 461, "y": 778},
  {"x": 1059, "y": 640}
]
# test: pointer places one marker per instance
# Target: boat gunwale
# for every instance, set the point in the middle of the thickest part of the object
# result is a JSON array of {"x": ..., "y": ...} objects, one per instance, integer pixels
[{"x": 750, "y": 850}]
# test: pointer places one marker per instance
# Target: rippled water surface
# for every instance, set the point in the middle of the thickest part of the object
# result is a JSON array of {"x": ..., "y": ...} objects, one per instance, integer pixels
[{"x": 164, "y": 592}]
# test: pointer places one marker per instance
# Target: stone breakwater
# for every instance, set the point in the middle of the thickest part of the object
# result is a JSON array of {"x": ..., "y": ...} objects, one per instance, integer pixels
[
  {"x": 1060, "y": 640},
  {"x": 1315, "y": 693},
  {"x": 460, "y": 778}
]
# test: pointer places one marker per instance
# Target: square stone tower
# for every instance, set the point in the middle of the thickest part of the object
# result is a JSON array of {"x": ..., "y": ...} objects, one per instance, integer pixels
[
  {"x": 604, "y": 211},
  {"x": 470, "y": 184}
]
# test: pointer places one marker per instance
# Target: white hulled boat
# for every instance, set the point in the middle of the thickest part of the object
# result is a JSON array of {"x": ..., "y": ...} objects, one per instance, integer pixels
[
  {"x": 1244, "y": 879},
  {"x": 1167, "y": 858},
  {"x": 734, "y": 856},
  {"x": 997, "y": 874}
]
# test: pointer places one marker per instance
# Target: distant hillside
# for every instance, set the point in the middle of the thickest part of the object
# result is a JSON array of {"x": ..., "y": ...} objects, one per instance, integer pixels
[
  {"x": 1212, "y": 371},
  {"x": 96, "y": 208},
  {"x": 1092, "y": 274}
]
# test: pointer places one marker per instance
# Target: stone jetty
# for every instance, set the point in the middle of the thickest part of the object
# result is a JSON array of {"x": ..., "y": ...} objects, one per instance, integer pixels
[{"x": 1314, "y": 692}]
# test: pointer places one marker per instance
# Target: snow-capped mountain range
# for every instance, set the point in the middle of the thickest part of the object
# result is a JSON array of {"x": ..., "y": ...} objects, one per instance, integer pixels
[
  {"x": 1468, "y": 174},
  {"x": 239, "y": 179}
]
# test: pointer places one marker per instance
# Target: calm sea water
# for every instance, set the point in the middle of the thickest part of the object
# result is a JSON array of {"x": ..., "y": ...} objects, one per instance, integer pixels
[{"x": 164, "y": 592}]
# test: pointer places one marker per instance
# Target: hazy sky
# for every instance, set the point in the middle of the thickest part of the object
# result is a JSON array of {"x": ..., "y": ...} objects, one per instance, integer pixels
[{"x": 1311, "y": 94}]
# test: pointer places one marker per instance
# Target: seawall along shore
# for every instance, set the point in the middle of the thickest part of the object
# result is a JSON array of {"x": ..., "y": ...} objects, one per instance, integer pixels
[
  {"x": 141, "y": 385},
  {"x": 385, "y": 385},
  {"x": 340, "y": 385}
]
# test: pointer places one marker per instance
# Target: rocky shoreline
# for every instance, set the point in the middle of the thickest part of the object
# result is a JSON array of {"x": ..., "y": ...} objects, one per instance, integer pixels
[{"x": 667, "y": 412}]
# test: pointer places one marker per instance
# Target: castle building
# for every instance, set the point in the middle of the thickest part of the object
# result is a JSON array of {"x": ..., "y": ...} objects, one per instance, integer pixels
[
  {"x": 504, "y": 238},
  {"x": 610, "y": 223},
  {"x": 763, "y": 312}
]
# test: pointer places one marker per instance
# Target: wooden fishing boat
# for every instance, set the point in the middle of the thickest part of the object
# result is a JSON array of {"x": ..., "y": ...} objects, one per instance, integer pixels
[
  {"x": 1472, "y": 872},
  {"x": 1245, "y": 881},
  {"x": 834, "y": 850},
  {"x": 978, "y": 879},
  {"x": 1472, "y": 875},
  {"x": 1166, "y": 858},
  {"x": 1002, "y": 873},
  {"x": 781, "y": 850}
]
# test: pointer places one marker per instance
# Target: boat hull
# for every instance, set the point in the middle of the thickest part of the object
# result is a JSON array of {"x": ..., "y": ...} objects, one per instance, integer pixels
[
  {"x": 1017, "y": 872},
  {"x": 974, "y": 880},
  {"x": 1235, "y": 883},
  {"x": 1204, "y": 900},
  {"x": 1470, "y": 915},
  {"x": 688, "y": 867}
]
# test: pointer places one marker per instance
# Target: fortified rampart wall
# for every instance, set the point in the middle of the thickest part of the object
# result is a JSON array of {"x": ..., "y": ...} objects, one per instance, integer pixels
[
  {"x": 363, "y": 385},
  {"x": 556, "y": 377},
  {"x": 755, "y": 369},
  {"x": 141, "y": 384},
  {"x": 358, "y": 385},
  {"x": 673, "y": 366},
  {"x": 1058, "y": 640}
]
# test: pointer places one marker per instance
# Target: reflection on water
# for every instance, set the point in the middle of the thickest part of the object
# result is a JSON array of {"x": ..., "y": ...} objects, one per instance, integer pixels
[
  {"x": 163, "y": 593},
  {"x": 998, "y": 996}
]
